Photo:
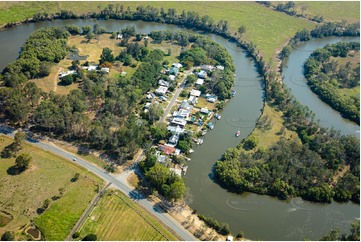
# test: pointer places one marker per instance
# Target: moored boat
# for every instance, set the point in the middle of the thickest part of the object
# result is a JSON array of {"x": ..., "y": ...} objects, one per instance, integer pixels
[{"x": 238, "y": 133}]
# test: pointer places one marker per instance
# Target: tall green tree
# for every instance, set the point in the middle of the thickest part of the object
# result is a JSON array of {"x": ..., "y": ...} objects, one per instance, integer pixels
[
  {"x": 106, "y": 56},
  {"x": 22, "y": 162}
]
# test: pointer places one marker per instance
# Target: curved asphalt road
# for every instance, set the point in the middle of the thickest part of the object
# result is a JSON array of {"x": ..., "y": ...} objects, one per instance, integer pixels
[{"x": 121, "y": 186}]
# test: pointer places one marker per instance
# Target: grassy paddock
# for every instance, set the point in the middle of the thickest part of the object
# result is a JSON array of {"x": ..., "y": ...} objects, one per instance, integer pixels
[
  {"x": 57, "y": 221},
  {"x": 267, "y": 137},
  {"x": 23, "y": 194},
  {"x": 108, "y": 223},
  {"x": 331, "y": 10},
  {"x": 266, "y": 28}
]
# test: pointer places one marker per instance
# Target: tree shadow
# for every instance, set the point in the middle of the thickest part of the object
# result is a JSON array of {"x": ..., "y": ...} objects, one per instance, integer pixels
[
  {"x": 158, "y": 207},
  {"x": 83, "y": 151},
  {"x": 14, "y": 170},
  {"x": 136, "y": 195},
  {"x": 8, "y": 151}
]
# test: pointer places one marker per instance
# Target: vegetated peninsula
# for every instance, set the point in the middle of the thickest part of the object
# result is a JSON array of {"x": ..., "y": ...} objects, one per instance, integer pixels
[{"x": 333, "y": 73}]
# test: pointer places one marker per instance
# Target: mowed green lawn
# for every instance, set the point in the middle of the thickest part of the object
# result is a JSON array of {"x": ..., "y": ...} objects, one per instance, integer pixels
[
  {"x": 113, "y": 219},
  {"x": 265, "y": 28},
  {"x": 21, "y": 195}
]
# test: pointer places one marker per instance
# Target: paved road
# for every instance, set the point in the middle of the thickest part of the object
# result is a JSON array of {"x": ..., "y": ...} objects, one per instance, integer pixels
[
  {"x": 118, "y": 184},
  {"x": 174, "y": 98}
]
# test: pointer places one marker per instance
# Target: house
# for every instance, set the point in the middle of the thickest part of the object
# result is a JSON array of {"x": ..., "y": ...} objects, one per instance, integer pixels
[
  {"x": 202, "y": 74},
  {"x": 177, "y": 65},
  {"x": 207, "y": 67},
  {"x": 105, "y": 70},
  {"x": 161, "y": 159},
  {"x": 212, "y": 100},
  {"x": 123, "y": 73},
  {"x": 193, "y": 100},
  {"x": 173, "y": 140},
  {"x": 178, "y": 121},
  {"x": 219, "y": 67},
  {"x": 176, "y": 171},
  {"x": 161, "y": 90},
  {"x": 163, "y": 83},
  {"x": 119, "y": 36},
  {"x": 171, "y": 77},
  {"x": 204, "y": 110},
  {"x": 168, "y": 150},
  {"x": 181, "y": 113},
  {"x": 92, "y": 68},
  {"x": 146, "y": 37},
  {"x": 174, "y": 71},
  {"x": 185, "y": 105},
  {"x": 199, "y": 81},
  {"x": 62, "y": 74},
  {"x": 175, "y": 129},
  {"x": 196, "y": 93}
]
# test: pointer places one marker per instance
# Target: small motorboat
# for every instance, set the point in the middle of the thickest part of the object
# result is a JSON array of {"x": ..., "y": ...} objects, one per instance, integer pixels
[
  {"x": 233, "y": 93},
  {"x": 238, "y": 133},
  {"x": 210, "y": 126},
  {"x": 217, "y": 116}
]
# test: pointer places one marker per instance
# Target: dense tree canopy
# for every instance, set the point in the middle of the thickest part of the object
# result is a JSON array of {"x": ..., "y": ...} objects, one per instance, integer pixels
[{"x": 326, "y": 77}]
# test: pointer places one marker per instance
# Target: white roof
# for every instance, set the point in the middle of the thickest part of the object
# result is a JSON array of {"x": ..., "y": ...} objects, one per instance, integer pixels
[
  {"x": 172, "y": 77},
  {"x": 199, "y": 81},
  {"x": 163, "y": 83},
  {"x": 192, "y": 99},
  {"x": 105, "y": 69},
  {"x": 161, "y": 90},
  {"x": 176, "y": 171},
  {"x": 204, "y": 110},
  {"x": 147, "y": 105},
  {"x": 179, "y": 121},
  {"x": 123, "y": 73},
  {"x": 178, "y": 65},
  {"x": 229, "y": 238},
  {"x": 219, "y": 67},
  {"x": 196, "y": 93},
  {"x": 161, "y": 158},
  {"x": 175, "y": 129},
  {"x": 182, "y": 113},
  {"x": 92, "y": 68}
]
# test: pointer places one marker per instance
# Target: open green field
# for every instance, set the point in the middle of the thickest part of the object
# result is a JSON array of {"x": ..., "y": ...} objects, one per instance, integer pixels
[
  {"x": 23, "y": 194},
  {"x": 331, "y": 10},
  {"x": 113, "y": 219},
  {"x": 269, "y": 136},
  {"x": 267, "y": 29}
]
